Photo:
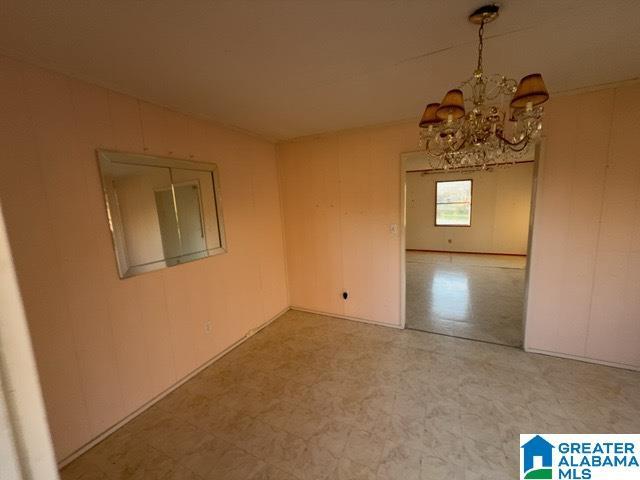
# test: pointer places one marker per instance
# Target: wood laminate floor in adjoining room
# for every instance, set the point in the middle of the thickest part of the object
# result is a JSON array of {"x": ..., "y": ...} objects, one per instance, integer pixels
[
  {"x": 475, "y": 296},
  {"x": 312, "y": 397}
]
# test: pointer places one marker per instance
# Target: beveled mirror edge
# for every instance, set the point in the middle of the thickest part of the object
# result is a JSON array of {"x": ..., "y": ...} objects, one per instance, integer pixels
[{"x": 104, "y": 160}]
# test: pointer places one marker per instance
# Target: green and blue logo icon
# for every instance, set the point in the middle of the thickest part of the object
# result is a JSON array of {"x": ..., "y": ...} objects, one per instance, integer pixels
[
  {"x": 579, "y": 456},
  {"x": 537, "y": 459}
]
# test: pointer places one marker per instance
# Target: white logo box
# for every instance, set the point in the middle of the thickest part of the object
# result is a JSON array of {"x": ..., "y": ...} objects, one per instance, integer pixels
[{"x": 580, "y": 457}]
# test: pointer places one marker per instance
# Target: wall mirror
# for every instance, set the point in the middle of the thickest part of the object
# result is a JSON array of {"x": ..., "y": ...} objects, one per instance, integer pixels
[{"x": 161, "y": 211}]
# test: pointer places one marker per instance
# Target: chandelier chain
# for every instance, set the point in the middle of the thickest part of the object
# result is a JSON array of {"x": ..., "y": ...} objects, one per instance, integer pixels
[{"x": 480, "y": 45}]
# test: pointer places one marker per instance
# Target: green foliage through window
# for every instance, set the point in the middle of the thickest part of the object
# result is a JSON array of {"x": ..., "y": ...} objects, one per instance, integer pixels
[{"x": 453, "y": 203}]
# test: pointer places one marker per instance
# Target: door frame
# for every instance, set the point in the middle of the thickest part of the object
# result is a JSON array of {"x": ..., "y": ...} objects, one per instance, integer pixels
[
  {"x": 537, "y": 169},
  {"x": 26, "y": 449}
]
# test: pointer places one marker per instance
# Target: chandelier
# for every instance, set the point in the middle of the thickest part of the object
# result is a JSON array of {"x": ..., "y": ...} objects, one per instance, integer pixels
[{"x": 501, "y": 123}]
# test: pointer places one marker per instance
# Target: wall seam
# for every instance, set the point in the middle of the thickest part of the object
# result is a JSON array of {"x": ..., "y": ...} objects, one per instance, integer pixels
[
  {"x": 162, "y": 276},
  {"x": 600, "y": 215},
  {"x": 139, "y": 315},
  {"x": 37, "y": 151},
  {"x": 116, "y": 355},
  {"x": 281, "y": 200},
  {"x": 343, "y": 308},
  {"x": 258, "y": 249}
]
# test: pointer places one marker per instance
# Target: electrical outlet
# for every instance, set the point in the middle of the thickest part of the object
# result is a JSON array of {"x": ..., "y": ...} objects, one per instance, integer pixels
[{"x": 207, "y": 326}]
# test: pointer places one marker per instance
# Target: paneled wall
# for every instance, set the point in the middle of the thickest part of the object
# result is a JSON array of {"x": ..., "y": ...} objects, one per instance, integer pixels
[
  {"x": 106, "y": 346},
  {"x": 500, "y": 206},
  {"x": 585, "y": 275},
  {"x": 341, "y": 197}
]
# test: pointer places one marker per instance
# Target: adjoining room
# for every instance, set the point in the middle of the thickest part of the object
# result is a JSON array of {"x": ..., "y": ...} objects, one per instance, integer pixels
[
  {"x": 467, "y": 236},
  {"x": 318, "y": 240}
]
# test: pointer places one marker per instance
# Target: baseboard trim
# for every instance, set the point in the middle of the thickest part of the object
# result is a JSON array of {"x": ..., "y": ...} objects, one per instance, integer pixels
[
  {"x": 469, "y": 253},
  {"x": 346, "y": 317},
  {"x": 93, "y": 442},
  {"x": 578, "y": 358}
]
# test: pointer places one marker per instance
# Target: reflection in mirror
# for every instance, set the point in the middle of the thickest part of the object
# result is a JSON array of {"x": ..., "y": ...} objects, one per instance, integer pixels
[
  {"x": 161, "y": 211},
  {"x": 204, "y": 188}
]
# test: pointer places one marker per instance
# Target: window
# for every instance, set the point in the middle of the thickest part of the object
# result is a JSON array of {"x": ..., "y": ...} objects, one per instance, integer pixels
[{"x": 453, "y": 203}]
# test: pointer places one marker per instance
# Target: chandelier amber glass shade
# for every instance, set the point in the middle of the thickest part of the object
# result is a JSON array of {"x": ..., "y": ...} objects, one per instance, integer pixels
[
  {"x": 452, "y": 104},
  {"x": 531, "y": 89},
  {"x": 429, "y": 117}
]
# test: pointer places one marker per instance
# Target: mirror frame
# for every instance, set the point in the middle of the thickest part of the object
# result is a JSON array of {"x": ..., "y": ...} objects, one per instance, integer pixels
[{"x": 105, "y": 157}]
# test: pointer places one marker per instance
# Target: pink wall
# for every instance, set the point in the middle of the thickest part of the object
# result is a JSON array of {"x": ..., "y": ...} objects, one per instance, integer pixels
[
  {"x": 585, "y": 273},
  {"x": 341, "y": 192},
  {"x": 106, "y": 346},
  {"x": 341, "y": 195}
]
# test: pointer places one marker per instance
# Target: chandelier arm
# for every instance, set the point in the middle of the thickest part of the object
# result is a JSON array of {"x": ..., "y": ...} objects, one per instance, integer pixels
[
  {"x": 460, "y": 147},
  {"x": 430, "y": 151},
  {"x": 443, "y": 152},
  {"x": 515, "y": 146}
]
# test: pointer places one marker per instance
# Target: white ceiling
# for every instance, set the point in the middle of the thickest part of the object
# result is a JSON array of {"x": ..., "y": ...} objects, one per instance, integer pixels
[{"x": 287, "y": 68}]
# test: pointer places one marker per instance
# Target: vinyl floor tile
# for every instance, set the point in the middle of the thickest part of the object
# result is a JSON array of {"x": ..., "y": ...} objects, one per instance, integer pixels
[{"x": 353, "y": 401}]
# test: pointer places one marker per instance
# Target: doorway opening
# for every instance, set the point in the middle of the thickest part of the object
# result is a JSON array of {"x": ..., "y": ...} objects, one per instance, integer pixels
[{"x": 466, "y": 248}]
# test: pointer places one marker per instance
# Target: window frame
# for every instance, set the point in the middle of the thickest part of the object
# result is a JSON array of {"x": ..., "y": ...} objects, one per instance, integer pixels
[{"x": 436, "y": 203}]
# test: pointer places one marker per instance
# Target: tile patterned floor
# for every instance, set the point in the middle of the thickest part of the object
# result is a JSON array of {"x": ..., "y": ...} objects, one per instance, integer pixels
[
  {"x": 470, "y": 296},
  {"x": 314, "y": 397}
]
